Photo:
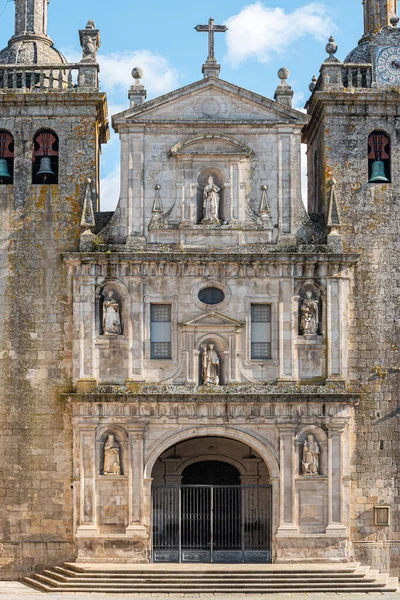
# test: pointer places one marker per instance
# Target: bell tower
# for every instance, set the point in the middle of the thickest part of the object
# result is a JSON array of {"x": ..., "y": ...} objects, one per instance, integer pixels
[
  {"x": 53, "y": 120},
  {"x": 353, "y": 177}
]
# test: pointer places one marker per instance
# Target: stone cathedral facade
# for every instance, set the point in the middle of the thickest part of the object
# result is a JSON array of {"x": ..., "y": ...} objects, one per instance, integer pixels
[{"x": 210, "y": 373}]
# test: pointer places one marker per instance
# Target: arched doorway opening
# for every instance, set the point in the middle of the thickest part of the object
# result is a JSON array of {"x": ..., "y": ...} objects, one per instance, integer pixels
[{"x": 211, "y": 502}]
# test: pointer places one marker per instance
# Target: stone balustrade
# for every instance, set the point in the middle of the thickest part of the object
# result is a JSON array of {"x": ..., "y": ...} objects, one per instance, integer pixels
[
  {"x": 57, "y": 78},
  {"x": 357, "y": 75}
]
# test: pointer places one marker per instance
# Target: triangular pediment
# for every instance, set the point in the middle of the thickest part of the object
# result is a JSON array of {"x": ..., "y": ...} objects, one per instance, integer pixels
[
  {"x": 212, "y": 318},
  {"x": 210, "y": 100}
]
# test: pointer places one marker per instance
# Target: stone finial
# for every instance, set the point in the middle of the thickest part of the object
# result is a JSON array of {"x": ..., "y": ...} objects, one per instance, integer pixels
[
  {"x": 334, "y": 223},
  {"x": 331, "y": 49},
  {"x": 157, "y": 204},
  {"x": 264, "y": 210},
  {"x": 137, "y": 92},
  {"x": 394, "y": 21},
  {"x": 313, "y": 83},
  {"x": 90, "y": 42},
  {"x": 284, "y": 93},
  {"x": 86, "y": 243}
]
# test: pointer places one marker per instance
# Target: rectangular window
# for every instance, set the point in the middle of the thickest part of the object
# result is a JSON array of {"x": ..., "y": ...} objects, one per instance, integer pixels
[
  {"x": 260, "y": 331},
  {"x": 160, "y": 331}
]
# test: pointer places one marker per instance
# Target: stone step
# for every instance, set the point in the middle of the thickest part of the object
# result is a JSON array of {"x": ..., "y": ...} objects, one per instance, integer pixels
[{"x": 260, "y": 579}]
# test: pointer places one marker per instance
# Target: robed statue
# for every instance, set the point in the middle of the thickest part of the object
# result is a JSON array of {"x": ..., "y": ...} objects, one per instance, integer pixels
[
  {"x": 209, "y": 365},
  {"x": 112, "y": 460},
  {"x": 111, "y": 315},
  {"x": 309, "y": 310},
  {"x": 211, "y": 202},
  {"x": 310, "y": 460}
]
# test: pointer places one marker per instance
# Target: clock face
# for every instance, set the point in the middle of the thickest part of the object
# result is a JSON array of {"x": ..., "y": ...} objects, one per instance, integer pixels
[{"x": 388, "y": 64}]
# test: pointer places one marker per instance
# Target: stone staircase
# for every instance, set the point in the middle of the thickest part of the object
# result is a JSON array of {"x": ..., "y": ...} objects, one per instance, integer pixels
[{"x": 164, "y": 579}]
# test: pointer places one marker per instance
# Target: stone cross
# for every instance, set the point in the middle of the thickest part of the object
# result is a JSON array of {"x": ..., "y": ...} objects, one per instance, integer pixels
[{"x": 211, "y": 28}]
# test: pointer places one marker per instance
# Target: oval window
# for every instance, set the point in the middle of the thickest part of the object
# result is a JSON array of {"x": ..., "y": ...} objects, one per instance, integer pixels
[{"x": 211, "y": 295}]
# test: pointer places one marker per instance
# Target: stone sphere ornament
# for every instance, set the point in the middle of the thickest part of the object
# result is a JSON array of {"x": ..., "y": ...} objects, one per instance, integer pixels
[
  {"x": 283, "y": 73},
  {"x": 331, "y": 46},
  {"x": 137, "y": 73},
  {"x": 394, "y": 21}
]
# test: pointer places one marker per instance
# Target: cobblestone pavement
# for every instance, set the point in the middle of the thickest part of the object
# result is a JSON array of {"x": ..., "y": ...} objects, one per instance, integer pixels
[{"x": 14, "y": 591}]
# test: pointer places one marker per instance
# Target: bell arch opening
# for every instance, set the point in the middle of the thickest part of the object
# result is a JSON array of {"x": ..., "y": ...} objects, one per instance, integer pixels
[{"x": 211, "y": 502}]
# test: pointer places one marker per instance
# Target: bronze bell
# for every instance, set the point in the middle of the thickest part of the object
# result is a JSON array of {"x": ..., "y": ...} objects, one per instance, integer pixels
[
  {"x": 45, "y": 167},
  {"x": 378, "y": 173},
  {"x": 4, "y": 172}
]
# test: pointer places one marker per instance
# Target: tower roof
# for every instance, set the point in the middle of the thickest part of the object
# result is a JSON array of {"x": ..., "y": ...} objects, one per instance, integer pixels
[{"x": 30, "y": 44}]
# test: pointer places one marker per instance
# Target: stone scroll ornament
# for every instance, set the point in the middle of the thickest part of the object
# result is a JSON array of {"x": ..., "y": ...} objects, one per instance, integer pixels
[
  {"x": 309, "y": 314},
  {"x": 310, "y": 460},
  {"x": 112, "y": 459},
  {"x": 211, "y": 203},
  {"x": 111, "y": 315},
  {"x": 209, "y": 365}
]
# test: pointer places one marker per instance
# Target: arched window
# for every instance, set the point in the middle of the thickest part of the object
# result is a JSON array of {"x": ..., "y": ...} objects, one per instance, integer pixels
[
  {"x": 45, "y": 157},
  {"x": 6, "y": 157},
  {"x": 379, "y": 167}
]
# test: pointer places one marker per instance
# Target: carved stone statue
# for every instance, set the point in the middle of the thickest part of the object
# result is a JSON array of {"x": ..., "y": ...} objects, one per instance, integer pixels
[
  {"x": 211, "y": 202},
  {"x": 310, "y": 460},
  {"x": 112, "y": 461},
  {"x": 209, "y": 365},
  {"x": 111, "y": 315},
  {"x": 309, "y": 310}
]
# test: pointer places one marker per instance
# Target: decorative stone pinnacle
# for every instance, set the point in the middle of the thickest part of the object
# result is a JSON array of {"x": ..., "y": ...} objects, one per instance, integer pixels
[
  {"x": 313, "y": 83},
  {"x": 284, "y": 93},
  {"x": 88, "y": 220},
  {"x": 211, "y": 68},
  {"x": 90, "y": 42},
  {"x": 137, "y": 92},
  {"x": 394, "y": 21},
  {"x": 331, "y": 47}
]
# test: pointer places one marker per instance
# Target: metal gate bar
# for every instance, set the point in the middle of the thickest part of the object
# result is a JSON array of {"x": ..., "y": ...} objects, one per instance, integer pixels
[{"x": 200, "y": 523}]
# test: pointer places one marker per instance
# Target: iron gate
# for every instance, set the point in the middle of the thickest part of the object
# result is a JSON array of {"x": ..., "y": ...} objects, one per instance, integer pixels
[{"x": 206, "y": 523}]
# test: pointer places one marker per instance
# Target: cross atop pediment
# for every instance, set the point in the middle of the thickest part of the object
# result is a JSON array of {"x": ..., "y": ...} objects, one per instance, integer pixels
[{"x": 211, "y": 68}]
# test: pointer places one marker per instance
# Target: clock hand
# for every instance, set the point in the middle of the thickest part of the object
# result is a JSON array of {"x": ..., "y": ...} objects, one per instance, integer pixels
[{"x": 396, "y": 64}]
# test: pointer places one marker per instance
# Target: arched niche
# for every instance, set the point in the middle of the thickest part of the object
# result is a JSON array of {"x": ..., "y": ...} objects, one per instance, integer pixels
[
  {"x": 310, "y": 297},
  {"x": 321, "y": 439},
  {"x": 222, "y": 350},
  {"x": 111, "y": 297},
  {"x": 220, "y": 181},
  {"x": 121, "y": 437},
  {"x": 45, "y": 157},
  {"x": 379, "y": 157},
  {"x": 6, "y": 157}
]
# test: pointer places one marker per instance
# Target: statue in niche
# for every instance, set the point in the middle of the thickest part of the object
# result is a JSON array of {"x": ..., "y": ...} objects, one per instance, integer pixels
[
  {"x": 309, "y": 314},
  {"x": 310, "y": 460},
  {"x": 209, "y": 365},
  {"x": 211, "y": 202},
  {"x": 111, "y": 315},
  {"x": 112, "y": 460}
]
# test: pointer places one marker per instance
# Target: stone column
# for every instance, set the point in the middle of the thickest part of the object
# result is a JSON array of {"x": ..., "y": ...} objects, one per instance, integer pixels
[
  {"x": 286, "y": 345},
  {"x": 335, "y": 481},
  {"x": 287, "y": 485},
  {"x": 337, "y": 329},
  {"x": 87, "y": 526},
  {"x": 87, "y": 335},
  {"x": 135, "y": 527}
]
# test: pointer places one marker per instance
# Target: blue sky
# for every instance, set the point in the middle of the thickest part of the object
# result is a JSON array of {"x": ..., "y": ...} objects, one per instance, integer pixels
[{"x": 160, "y": 37}]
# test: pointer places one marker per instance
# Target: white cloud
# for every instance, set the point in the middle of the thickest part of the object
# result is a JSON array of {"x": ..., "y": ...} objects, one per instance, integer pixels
[
  {"x": 260, "y": 32},
  {"x": 109, "y": 190},
  {"x": 115, "y": 71}
]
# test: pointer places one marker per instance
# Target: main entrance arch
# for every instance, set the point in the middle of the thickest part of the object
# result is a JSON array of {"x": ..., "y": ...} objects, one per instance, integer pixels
[{"x": 211, "y": 502}]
